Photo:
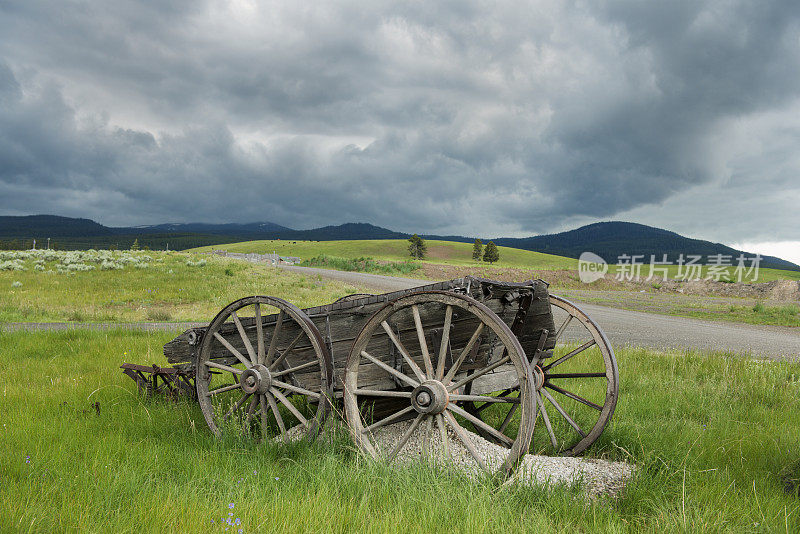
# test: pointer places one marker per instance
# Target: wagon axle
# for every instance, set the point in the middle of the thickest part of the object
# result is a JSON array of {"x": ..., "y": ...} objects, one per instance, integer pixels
[
  {"x": 430, "y": 397},
  {"x": 256, "y": 379}
]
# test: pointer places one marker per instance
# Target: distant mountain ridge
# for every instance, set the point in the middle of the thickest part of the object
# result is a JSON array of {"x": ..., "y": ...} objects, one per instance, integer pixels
[
  {"x": 53, "y": 226},
  {"x": 609, "y": 240},
  {"x": 205, "y": 228}
]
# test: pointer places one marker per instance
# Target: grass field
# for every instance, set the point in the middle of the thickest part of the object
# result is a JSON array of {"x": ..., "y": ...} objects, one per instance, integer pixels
[
  {"x": 451, "y": 253},
  {"x": 715, "y": 440},
  {"x": 170, "y": 287}
]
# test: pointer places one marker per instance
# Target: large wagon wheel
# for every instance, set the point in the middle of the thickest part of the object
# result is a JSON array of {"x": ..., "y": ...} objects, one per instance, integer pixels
[
  {"x": 263, "y": 368},
  {"x": 576, "y": 388},
  {"x": 393, "y": 346}
]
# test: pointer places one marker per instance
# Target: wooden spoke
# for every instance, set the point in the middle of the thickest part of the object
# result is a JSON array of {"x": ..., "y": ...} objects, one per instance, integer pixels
[
  {"x": 411, "y": 363},
  {"x": 426, "y": 435},
  {"x": 423, "y": 344},
  {"x": 391, "y": 370},
  {"x": 546, "y": 419},
  {"x": 405, "y": 437},
  {"x": 462, "y": 434},
  {"x": 564, "y": 414},
  {"x": 277, "y": 412},
  {"x": 573, "y": 396},
  {"x": 483, "y": 398},
  {"x": 443, "y": 435},
  {"x": 454, "y": 369},
  {"x": 388, "y": 420},
  {"x": 448, "y": 318},
  {"x": 563, "y": 327},
  {"x": 273, "y": 342},
  {"x": 296, "y": 389},
  {"x": 286, "y": 352},
  {"x": 508, "y": 418},
  {"x": 250, "y": 412},
  {"x": 487, "y": 405},
  {"x": 232, "y": 350},
  {"x": 223, "y": 389},
  {"x": 245, "y": 339},
  {"x": 264, "y": 416},
  {"x": 236, "y": 406},
  {"x": 576, "y": 375},
  {"x": 478, "y": 423},
  {"x": 259, "y": 335},
  {"x": 216, "y": 365},
  {"x": 479, "y": 374},
  {"x": 300, "y": 367},
  {"x": 387, "y": 393},
  {"x": 283, "y": 400},
  {"x": 570, "y": 355}
]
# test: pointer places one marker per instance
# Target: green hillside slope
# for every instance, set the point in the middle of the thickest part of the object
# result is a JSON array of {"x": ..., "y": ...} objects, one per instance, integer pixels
[{"x": 444, "y": 252}]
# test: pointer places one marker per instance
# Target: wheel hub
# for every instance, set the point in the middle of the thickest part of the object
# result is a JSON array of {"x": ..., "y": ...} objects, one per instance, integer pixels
[
  {"x": 430, "y": 397},
  {"x": 256, "y": 379}
]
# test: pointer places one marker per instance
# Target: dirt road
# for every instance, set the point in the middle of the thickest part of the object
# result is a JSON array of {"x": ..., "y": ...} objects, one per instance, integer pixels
[{"x": 633, "y": 328}]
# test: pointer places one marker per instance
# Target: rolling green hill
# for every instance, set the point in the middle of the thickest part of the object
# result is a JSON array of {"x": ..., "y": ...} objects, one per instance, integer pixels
[{"x": 439, "y": 252}]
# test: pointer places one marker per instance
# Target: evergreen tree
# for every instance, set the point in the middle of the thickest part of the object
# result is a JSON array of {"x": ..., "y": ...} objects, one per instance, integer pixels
[
  {"x": 491, "y": 254},
  {"x": 477, "y": 250},
  {"x": 417, "y": 247},
  {"x": 135, "y": 245}
]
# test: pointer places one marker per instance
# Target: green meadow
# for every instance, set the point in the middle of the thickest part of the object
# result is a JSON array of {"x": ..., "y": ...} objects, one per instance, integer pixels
[{"x": 714, "y": 439}]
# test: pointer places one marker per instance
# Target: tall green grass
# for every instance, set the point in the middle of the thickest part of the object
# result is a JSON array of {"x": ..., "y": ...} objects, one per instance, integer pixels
[
  {"x": 786, "y": 315},
  {"x": 715, "y": 440}
]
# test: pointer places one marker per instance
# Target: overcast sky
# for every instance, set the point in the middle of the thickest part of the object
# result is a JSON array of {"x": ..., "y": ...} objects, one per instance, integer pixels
[{"x": 463, "y": 117}]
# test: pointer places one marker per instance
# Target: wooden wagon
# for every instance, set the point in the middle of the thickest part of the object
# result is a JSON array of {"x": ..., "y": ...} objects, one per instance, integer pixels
[{"x": 439, "y": 360}]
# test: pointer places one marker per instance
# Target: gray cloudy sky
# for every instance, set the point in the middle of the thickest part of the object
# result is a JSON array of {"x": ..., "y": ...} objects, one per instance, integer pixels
[{"x": 450, "y": 117}]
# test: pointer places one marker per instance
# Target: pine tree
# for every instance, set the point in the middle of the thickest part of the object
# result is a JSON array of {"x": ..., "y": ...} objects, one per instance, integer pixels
[
  {"x": 135, "y": 245},
  {"x": 491, "y": 254},
  {"x": 417, "y": 247},
  {"x": 477, "y": 250}
]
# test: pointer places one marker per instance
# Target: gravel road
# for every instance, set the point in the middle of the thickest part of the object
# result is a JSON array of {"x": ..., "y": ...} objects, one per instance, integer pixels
[
  {"x": 633, "y": 328},
  {"x": 623, "y": 327}
]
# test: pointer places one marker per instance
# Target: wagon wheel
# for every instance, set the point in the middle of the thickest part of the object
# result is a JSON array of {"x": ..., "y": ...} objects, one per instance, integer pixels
[
  {"x": 576, "y": 388},
  {"x": 263, "y": 368},
  {"x": 433, "y": 379}
]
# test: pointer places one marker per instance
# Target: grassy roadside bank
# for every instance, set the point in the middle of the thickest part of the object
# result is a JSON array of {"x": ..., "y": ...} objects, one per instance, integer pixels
[
  {"x": 714, "y": 437},
  {"x": 741, "y": 310},
  {"x": 167, "y": 287}
]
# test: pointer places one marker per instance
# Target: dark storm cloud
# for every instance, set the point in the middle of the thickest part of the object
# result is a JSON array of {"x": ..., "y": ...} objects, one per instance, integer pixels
[{"x": 438, "y": 117}]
